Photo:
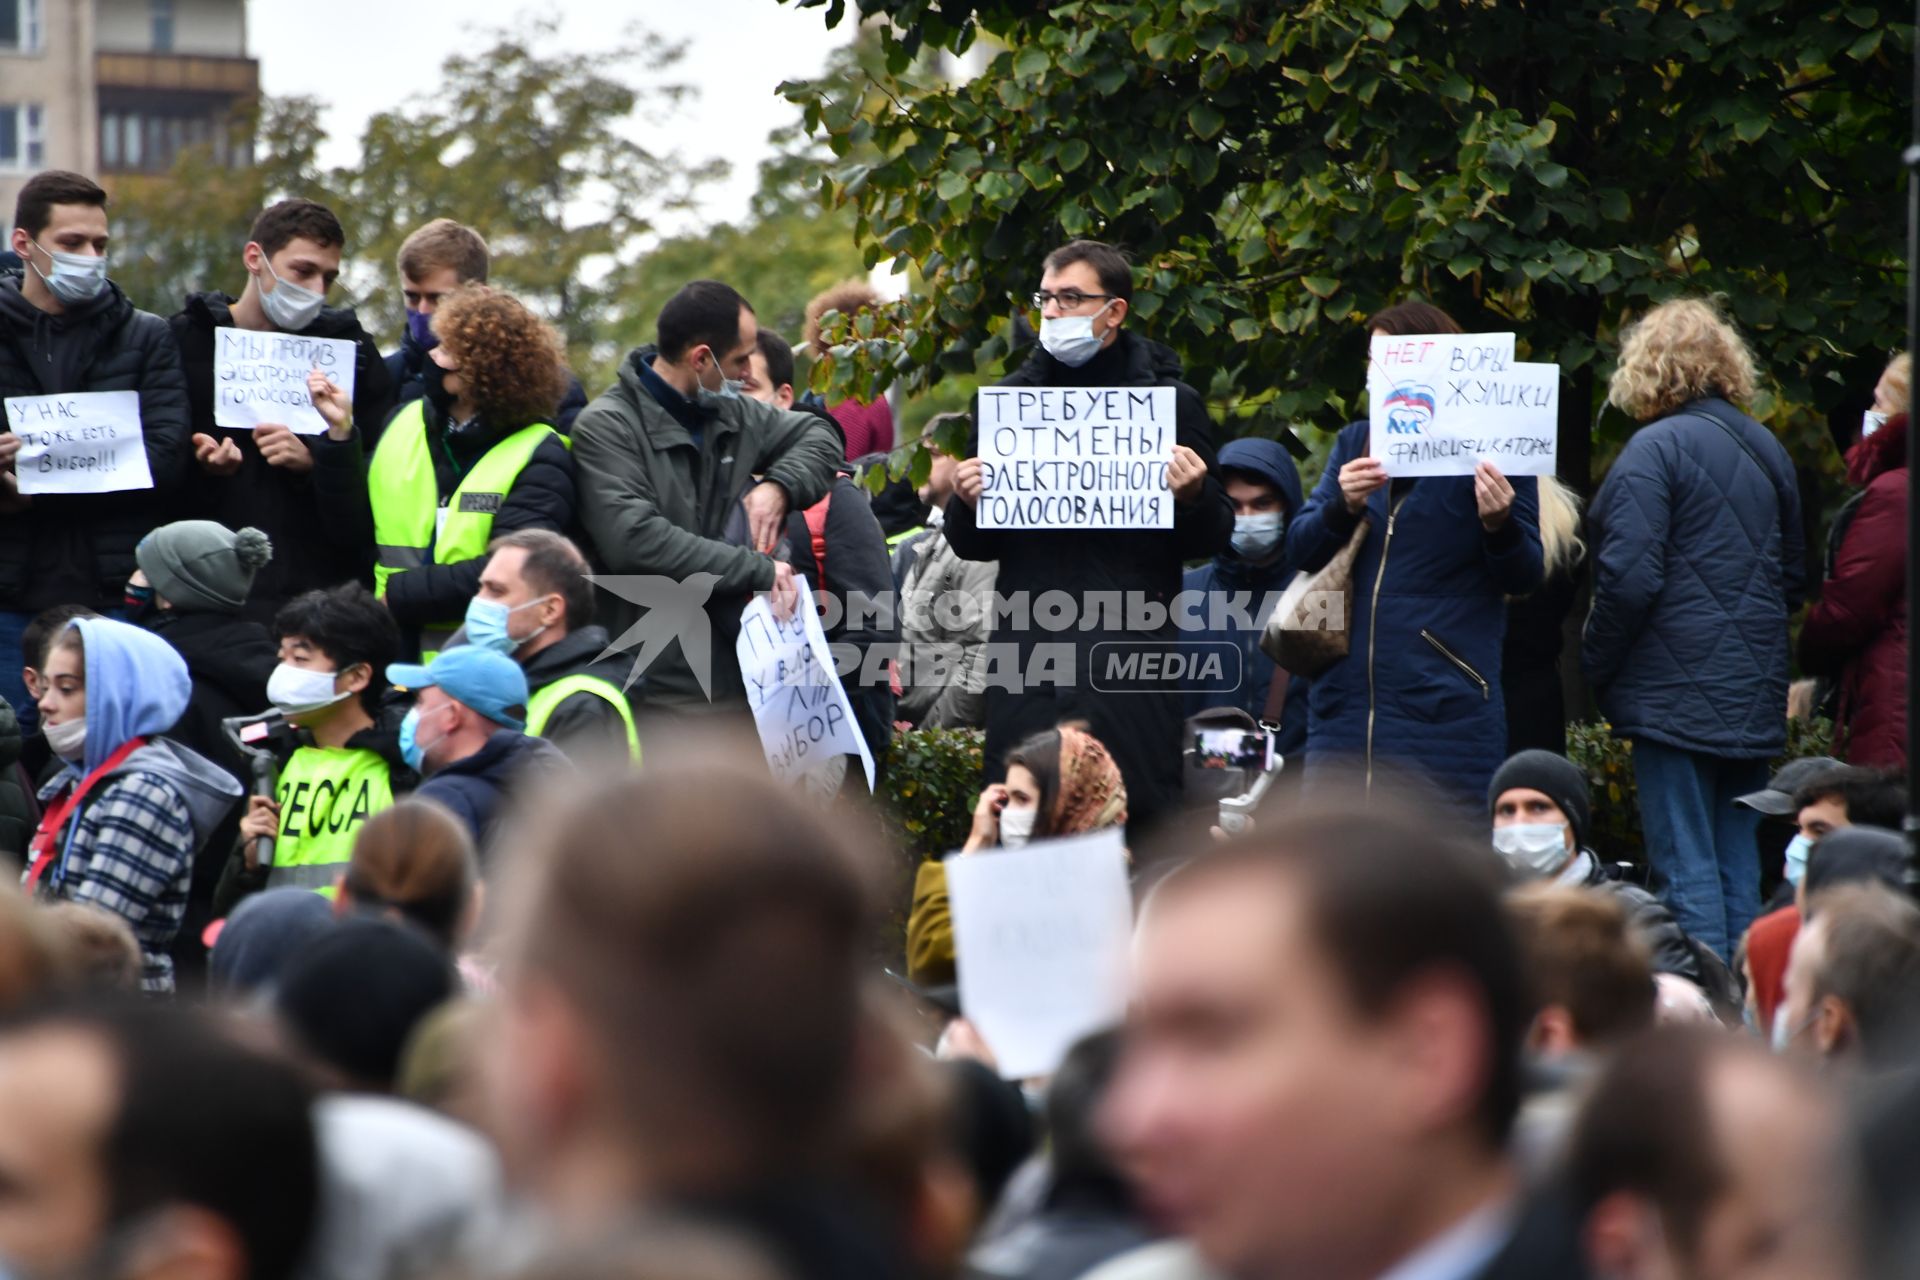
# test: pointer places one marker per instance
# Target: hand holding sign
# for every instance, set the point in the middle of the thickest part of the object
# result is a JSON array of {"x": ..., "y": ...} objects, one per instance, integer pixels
[
  {"x": 1359, "y": 479},
  {"x": 969, "y": 481},
  {"x": 333, "y": 404},
  {"x": 1493, "y": 495}
]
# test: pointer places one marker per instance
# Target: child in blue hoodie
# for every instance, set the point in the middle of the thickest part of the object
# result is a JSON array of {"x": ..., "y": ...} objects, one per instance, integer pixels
[{"x": 127, "y": 813}]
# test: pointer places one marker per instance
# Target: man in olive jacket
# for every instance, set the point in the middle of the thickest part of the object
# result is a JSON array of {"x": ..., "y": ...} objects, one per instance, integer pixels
[{"x": 667, "y": 455}]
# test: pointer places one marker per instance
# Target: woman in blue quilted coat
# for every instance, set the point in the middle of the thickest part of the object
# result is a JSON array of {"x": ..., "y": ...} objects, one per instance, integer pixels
[
  {"x": 1697, "y": 563},
  {"x": 1420, "y": 685}
]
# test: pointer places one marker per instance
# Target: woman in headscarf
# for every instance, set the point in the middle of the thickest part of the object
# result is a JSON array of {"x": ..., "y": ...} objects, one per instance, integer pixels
[{"x": 1059, "y": 783}]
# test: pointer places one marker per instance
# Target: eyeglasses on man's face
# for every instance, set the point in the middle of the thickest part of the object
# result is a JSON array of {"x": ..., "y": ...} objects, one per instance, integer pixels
[{"x": 1067, "y": 299}]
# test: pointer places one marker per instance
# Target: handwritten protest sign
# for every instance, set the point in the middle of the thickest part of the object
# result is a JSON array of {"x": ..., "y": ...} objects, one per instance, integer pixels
[
  {"x": 1442, "y": 403},
  {"x": 1076, "y": 457},
  {"x": 1040, "y": 936},
  {"x": 799, "y": 705},
  {"x": 262, "y": 378},
  {"x": 82, "y": 442}
]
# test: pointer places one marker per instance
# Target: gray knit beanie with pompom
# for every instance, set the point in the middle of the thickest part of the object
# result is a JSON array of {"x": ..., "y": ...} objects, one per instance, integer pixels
[{"x": 198, "y": 566}]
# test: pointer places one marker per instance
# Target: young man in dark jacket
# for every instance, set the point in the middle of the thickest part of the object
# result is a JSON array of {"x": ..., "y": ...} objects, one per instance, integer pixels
[
  {"x": 1264, "y": 487},
  {"x": 435, "y": 260},
  {"x": 1087, "y": 283},
  {"x": 838, "y": 546},
  {"x": 265, "y": 477},
  {"x": 64, "y": 327},
  {"x": 190, "y": 589},
  {"x": 465, "y": 736},
  {"x": 535, "y": 604}
]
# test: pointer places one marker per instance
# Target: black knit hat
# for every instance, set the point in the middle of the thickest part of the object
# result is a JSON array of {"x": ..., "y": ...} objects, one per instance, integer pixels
[{"x": 1554, "y": 776}]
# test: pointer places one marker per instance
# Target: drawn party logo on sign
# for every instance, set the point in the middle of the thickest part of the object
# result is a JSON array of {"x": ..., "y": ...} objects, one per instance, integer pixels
[{"x": 1409, "y": 408}]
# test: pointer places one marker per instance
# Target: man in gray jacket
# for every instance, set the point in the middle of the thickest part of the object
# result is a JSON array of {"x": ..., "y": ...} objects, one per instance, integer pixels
[{"x": 665, "y": 460}]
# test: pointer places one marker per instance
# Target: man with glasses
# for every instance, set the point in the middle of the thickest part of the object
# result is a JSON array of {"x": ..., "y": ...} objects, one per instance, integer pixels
[{"x": 1085, "y": 300}]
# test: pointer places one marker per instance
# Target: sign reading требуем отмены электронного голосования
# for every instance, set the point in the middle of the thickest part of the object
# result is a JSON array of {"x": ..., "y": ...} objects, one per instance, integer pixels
[{"x": 1075, "y": 457}]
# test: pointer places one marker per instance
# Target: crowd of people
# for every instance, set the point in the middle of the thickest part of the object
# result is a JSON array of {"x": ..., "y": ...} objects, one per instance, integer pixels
[{"x": 406, "y": 891}]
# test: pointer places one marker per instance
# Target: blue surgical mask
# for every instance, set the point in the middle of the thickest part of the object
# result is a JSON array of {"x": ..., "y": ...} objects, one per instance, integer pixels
[
  {"x": 420, "y": 328},
  {"x": 290, "y": 307},
  {"x": 1071, "y": 339},
  {"x": 76, "y": 278},
  {"x": 412, "y": 750},
  {"x": 1797, "y": 850},
  {"x": 1256, "y": 536},
  {"x": 487, "y": 624},
  {"x": 730, "y": 388}
]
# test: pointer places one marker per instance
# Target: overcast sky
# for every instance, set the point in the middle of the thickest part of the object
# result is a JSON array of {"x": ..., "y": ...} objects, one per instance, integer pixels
[{"x": 384, "y": 51}]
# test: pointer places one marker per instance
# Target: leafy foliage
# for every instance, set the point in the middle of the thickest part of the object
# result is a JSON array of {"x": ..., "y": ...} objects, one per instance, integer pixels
[
  {"x": 929, "y": 786},
  {"x": 1279, "y": 171}
]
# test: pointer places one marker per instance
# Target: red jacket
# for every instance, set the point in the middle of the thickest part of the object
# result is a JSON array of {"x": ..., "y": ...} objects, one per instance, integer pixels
[{"x": 1858, "y": 630}]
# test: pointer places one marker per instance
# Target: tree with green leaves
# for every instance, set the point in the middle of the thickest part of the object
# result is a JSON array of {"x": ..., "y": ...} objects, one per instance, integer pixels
[
  {"x": 1280, "y": 171},
  {"x": 181, "y": 231}
]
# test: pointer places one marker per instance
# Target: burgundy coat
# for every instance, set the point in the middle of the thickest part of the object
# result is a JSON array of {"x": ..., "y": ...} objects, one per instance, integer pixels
[{"x": 1857, "y": 632}]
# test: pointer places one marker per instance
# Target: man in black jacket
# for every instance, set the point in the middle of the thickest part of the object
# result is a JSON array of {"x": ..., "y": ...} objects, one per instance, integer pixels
[
  {"x": 535, "y": 604},
  {"x": 435, "y": 260},
  {"x": 838, "y": 545},
  {"x": 193, "y": 581},
  {"x": 1084, "y": 297},
  {"x": 265, "y": 477},
  {"x": 65, "y": 327},
  {"x": 1540, "y": 806}
]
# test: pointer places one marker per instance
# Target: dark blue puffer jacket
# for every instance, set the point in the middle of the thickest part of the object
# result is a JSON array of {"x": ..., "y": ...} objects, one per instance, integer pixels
[
  {"x": 1424, "y": 657},
  {"x": 1246, "y": 684},
  {"x": 1697, "y": 562}
]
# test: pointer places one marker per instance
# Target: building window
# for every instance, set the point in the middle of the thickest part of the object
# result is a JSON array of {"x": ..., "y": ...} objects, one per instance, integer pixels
[
  {"x": 162, "y": 12},
  {"x": 109, "y": 140},
  {"x": 23, "y": 145},
  {"x": 134, "y": 152},
  {"x": 20, "y": 26}
]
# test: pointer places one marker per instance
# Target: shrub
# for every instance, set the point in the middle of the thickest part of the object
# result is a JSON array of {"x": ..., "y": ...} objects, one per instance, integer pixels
[{"x": 930, "y": 786}]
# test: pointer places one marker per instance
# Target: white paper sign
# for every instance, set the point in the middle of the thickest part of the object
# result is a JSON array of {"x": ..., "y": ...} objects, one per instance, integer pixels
[
  {"x": 1442, "y": 403},
  {"x": 82, "y": 442},
  {"x": 1076, "y": 457},
  {"x": 262, "y": 378},
  {"x": 799, "y": 705},
  {"x": 1040, "y": 937}
]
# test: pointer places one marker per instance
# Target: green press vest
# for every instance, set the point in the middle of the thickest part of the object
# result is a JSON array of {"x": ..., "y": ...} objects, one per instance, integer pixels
[
  {"x": 541, "y": 705},
  {"x": 406, "y": 498},
  {"x": 325, "y": 793}
]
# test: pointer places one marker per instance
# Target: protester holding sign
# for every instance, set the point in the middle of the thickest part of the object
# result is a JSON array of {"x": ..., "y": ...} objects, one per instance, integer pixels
[
  {"x": 262, "y": 476},
  {"x": 67, "y": 330},
  {"x": 1084, "y": 300},
  {"x": 1059, "y": 783},
  {"x": 126, "y": 813},
  {"x": 1420, "y": 682},
  {"x": 475, "y": 457},
  {"x": 1697, "y": 565}
]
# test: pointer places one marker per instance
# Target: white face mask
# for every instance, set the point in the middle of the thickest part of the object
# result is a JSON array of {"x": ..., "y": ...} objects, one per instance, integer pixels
[
  {"x": 1016, "y": 826},
  {"x": 1535, "y": 848},
  {"x": 1071, "y": 339},
  {"x": 1871, "y": 421},
  {"x": 290, "y": 307},
  {"x": 68, "y": 740},
  {"x": 295, "y": 689},
  {"x": 76, "y": 278}
]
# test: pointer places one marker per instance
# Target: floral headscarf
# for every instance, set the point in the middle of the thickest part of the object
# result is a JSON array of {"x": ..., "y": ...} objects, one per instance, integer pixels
[{"x": 1092, "y": 794}]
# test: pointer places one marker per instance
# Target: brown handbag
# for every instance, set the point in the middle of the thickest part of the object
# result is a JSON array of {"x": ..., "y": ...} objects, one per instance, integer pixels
[{"x": 1312, "y": 626}]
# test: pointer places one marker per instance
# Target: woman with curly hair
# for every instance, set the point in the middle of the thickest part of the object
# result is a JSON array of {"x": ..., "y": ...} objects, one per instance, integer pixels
[
  {"x": 476, "y": 456},
  {"x": 1697, "y": 563}
]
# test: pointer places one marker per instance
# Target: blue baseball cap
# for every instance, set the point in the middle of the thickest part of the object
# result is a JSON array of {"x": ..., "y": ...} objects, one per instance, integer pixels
[{"x": 489, "y": 682}]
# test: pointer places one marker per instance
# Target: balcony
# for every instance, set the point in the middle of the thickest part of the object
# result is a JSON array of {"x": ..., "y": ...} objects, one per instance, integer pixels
[{"x": 232, "y": 78}]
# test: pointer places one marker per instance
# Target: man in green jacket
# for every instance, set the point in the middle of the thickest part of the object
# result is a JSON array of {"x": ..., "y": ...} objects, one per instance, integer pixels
[{"x": 683, "y": 478}]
